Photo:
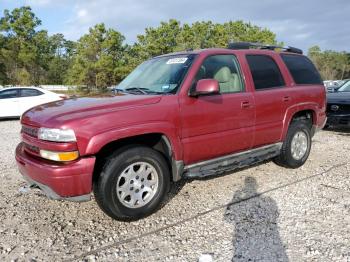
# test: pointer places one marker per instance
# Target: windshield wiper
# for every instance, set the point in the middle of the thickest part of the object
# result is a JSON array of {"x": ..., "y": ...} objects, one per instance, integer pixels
[
  {"x": 142, "y": 90},
  {"x": 138, "y": 89}
]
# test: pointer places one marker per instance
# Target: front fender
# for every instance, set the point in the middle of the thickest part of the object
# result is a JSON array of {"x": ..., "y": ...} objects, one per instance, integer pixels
[{"x": 170, "y": 131}]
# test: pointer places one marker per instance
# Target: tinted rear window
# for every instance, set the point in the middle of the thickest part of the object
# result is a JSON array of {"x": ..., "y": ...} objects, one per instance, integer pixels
[
  {"x": 265, "y": 72},
  {"x": 30, "y": 92},
  {"x": 302, "y": 69}
]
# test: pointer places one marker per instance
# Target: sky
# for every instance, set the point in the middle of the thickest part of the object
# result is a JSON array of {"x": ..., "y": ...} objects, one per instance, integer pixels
[{"x": 299, "y": 23}]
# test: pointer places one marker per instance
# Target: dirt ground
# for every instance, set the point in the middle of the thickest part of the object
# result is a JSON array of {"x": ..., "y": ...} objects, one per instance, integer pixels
[{"x": 265, "y": 212}]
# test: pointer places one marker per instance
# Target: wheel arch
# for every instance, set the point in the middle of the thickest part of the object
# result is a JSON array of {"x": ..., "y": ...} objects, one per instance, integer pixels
[
  {"x": 158, "y": 141},
  {"x": 304, "y": 112}
]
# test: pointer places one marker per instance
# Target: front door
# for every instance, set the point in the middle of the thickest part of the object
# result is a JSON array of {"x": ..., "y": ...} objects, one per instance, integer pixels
[
  {"x": 10, "y": 103},
  {"x": 221, "y": 124}
]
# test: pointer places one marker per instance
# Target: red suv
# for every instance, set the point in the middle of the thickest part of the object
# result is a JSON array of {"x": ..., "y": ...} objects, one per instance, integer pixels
[{"x": 187, "y": 114}]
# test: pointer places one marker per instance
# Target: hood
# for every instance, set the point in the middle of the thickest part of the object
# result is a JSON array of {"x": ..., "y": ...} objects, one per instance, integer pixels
[
  {"x": 338, "y": 97},
  {"x": 64, "y": 111}
]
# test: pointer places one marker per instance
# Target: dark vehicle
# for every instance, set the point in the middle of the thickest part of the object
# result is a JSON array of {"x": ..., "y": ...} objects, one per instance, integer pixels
[
  {"x": 333, "y": 86},
  {"x": 188, "y": 114},
  {"x": 338, "y": 107}
]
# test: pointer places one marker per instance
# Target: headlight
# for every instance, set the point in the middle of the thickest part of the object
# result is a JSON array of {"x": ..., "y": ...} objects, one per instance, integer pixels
[
  {"x": 57, "y": 135},
  {"x": 59, "y": 156}
]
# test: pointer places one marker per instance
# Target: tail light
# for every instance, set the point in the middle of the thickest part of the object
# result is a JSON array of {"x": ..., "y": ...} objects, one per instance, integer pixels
[{"x": 64, "y": 96}]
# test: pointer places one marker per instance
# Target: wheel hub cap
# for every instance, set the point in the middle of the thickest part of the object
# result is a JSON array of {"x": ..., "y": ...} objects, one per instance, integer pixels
[
  {"x": 137, "y": 185},
  {"x": 299, "y": 145}
]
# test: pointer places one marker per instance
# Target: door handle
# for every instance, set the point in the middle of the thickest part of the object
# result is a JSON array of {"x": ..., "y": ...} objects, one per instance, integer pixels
[
  {"x": 286, "y": 98},
  {"x": 245, "y": 104}
]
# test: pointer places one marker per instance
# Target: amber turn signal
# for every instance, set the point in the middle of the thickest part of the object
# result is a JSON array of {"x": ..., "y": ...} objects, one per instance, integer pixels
[{"x": 59, "y": 156}]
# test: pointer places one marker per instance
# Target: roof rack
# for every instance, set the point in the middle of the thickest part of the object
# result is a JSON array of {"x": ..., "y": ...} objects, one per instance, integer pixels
[{"x": 248, "y": 45}]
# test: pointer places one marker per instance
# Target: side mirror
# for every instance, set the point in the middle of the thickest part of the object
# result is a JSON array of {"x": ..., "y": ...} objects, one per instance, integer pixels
[{"x": 206, "y": 87}]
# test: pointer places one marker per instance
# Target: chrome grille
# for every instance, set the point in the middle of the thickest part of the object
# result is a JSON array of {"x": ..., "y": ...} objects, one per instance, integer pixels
[
  {"x": 31, "y": 148},
  {"x": 31, "y": 131}
]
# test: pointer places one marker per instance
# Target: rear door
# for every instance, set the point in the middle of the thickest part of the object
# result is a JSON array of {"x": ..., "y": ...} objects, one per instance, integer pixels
[
  {"x": 31, "y": 97},
  {"x": 306, "y": 80},
  {"x": 221, "y": 124},
  {"x": 9, "y": 103},
  {"x": 272, "y": 98}
]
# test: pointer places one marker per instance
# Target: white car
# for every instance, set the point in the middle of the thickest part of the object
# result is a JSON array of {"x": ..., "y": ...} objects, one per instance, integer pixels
[{"x": 14, "y": 101}]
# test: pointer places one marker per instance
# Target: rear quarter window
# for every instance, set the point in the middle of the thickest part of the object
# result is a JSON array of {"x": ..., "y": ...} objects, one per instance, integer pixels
[
  {"x": 30, "y": 92},
  {"x": 302, "y": 69}
]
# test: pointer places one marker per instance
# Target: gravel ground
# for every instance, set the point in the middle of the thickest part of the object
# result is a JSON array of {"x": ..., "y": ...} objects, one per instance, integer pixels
[{"x": 275, "y": 214}]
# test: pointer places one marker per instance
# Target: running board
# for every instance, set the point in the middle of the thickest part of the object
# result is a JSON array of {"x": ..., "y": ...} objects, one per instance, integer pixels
[{"x": 227, "y": 163}]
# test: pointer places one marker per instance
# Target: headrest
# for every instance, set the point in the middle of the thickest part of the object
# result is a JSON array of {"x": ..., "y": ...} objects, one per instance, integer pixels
[{"x": 223, "y": 75}]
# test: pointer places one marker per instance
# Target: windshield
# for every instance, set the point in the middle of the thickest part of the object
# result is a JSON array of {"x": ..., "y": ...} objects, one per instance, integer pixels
[
  {"x": 158, "y": 75},
  {"x": 345, "y": 87}
]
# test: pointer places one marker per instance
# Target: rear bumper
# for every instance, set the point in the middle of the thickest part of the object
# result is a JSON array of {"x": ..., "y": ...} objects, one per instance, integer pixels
[
  {"x": 321, "y": 124},
  {"x": 339, "y": 120},
  {"x": 71, "y": 181}
]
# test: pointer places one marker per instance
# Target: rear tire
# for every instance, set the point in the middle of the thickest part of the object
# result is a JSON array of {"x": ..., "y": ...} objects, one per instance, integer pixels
[
  {"x": 132, "y": 184},
  {"x": 297, "y": 145}
]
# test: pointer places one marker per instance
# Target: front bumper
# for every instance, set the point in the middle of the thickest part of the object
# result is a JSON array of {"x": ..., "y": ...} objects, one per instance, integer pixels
[
  {"x": 69, "y": 181},
  {"x": 339, "y": 120}
]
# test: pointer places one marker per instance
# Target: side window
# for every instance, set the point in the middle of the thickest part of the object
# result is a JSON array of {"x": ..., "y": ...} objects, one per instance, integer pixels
[
  {"x": 12, "y": 93},
  {"x": 225, "y": 69},
  {"x": 302, "y": 69},
  {"x": 265, "y": 72},
  {"x": 30, "y": 92}
]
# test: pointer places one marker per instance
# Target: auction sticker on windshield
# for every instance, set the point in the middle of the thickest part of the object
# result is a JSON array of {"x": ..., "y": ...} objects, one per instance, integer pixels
[{"x": 178, "y": 60}]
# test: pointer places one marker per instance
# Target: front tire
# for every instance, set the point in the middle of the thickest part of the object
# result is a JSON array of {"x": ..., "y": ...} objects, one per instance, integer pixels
[
  {"x": 297, "y": 145},
  {"x": 133, "y": 183}
]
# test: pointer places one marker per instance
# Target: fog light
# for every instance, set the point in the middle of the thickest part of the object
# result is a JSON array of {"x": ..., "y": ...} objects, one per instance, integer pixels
[{"x": 59, "y": 156}]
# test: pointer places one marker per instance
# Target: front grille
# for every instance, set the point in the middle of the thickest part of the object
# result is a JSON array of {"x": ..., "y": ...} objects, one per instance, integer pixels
[
  {"x": 338, "y": 108},
  {"x": 344, "y": 121},
  {"x": 31, "y": 148},
  {"x": 31, "y": 131}
]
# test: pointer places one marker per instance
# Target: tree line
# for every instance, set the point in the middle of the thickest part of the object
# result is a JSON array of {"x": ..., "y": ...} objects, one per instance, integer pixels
[
  {"x": 332, "y": 65},
  {"x": 102, "y": 58}
]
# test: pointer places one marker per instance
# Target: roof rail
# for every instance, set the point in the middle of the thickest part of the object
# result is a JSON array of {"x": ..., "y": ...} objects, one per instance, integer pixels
[{"x": 248, "y": 45}]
